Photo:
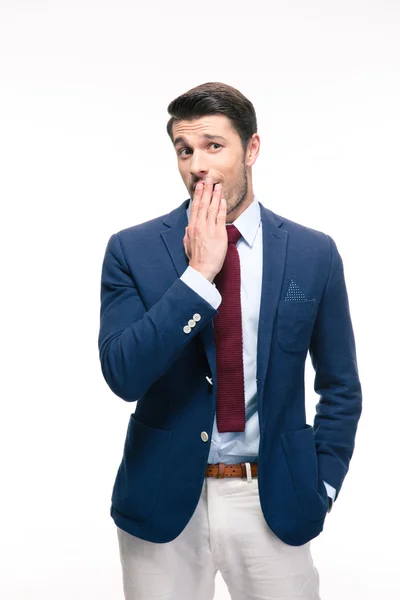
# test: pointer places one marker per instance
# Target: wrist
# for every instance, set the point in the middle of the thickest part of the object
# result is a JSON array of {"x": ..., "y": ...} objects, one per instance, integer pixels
[{"x": 206, "y": 273}]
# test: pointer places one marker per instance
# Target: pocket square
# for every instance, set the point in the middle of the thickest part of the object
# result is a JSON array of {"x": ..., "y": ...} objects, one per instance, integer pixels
[{"x": 294, "y": 292}]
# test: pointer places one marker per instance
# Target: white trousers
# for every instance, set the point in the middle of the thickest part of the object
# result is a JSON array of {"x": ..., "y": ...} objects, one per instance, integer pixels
[{"x": 226, "y": 533}]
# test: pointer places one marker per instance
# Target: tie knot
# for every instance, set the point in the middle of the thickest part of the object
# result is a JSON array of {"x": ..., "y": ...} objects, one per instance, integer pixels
[{"x": 234, "y": 234}]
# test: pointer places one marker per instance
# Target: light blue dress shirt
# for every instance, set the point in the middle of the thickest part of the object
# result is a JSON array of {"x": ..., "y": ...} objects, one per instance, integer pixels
[{"x": 241, "y": 446}]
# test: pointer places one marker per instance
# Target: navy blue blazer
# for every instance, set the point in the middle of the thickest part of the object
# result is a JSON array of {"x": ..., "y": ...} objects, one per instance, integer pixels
[{"x": 146, "y": 357}]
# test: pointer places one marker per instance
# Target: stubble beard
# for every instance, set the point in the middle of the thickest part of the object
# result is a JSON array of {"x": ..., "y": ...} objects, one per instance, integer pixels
[{"x": 240, "y": 192}]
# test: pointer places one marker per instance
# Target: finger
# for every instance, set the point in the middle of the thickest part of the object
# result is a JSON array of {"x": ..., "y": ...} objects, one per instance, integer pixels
[
  {"x": 221, "y": 216},
  {"x": 186, "y": 251},
  {"x": 198, "y": 192},
  {"x": 214, "y": 205},
  {"x": 185, "y": 245},
  {"x": 204, "y": 203}
]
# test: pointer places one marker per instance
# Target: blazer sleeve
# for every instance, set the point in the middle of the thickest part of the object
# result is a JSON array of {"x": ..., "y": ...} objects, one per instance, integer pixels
[
  {"x": 136, "y": 345},
  {"x": 333, "y": 356}
]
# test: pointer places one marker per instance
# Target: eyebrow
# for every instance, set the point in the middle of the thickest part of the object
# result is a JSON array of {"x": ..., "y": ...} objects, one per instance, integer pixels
[{"x": 205, "y": 136}]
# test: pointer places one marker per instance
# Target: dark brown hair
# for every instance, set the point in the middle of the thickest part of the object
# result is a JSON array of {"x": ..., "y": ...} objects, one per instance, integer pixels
[{"x": 212, "y": 98}]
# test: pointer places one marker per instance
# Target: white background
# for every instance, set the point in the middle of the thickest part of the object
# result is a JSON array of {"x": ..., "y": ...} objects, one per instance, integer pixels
[{"x": 84, "y": 89}]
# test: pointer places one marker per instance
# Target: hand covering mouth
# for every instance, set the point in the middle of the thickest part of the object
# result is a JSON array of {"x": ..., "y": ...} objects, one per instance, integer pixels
[{"x": 214, "y": 184}]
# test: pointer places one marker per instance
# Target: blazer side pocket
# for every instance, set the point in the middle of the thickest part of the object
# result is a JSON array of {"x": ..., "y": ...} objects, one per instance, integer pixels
[
  {"x": 139, "y": 475},
  {"x": 301, "y": 457}
]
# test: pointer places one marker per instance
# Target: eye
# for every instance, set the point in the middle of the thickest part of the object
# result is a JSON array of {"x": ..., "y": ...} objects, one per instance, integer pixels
[{"x": 212, "y": 144}]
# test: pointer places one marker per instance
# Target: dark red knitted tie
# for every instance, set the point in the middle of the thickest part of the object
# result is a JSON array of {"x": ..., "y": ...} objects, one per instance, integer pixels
[{"x": 229, "y": 341}]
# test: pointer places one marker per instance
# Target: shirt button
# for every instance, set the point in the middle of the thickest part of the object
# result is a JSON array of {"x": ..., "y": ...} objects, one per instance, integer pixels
[
  {"x": 204, "y": 436},
  {"x": 192, "y": 323},
  {"x": 196, "y": 317},
  {"x": 187, "y": 329}
]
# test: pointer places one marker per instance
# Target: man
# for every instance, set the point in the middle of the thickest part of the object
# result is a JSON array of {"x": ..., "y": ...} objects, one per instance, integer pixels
[{"x": 207, "y": 316}]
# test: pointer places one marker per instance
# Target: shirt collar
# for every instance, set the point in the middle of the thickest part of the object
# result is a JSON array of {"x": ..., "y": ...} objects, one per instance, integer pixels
[{"x": 247, "y": 222}]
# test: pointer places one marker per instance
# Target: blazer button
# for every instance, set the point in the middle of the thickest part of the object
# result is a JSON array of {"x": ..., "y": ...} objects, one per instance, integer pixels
[
  {"x": 204, "y": 436},
  {"x": 187, "y": 329},
  {"x": 192, "y": 323},
  {"x": 196, "y": 317}
]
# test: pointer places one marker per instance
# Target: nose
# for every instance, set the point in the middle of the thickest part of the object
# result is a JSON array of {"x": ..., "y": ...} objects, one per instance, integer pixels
[{"x": 198, "y": 167}]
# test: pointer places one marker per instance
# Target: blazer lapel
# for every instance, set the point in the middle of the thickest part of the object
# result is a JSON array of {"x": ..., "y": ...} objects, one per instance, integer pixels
[{"x": 274, "y": 258}]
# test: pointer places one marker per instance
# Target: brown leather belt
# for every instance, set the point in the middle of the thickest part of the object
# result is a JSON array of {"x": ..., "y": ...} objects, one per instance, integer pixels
[{"x": 223, "y": 470}]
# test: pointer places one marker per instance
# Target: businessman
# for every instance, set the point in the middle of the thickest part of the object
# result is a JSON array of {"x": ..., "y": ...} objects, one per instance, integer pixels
[{"x": 207, "y": 316}]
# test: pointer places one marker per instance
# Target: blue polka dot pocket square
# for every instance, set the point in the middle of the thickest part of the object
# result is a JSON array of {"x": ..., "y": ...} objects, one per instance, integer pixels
[{"x": 294, "y": 292}]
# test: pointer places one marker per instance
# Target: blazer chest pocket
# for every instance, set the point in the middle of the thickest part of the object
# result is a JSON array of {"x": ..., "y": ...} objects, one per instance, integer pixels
[{"x": 295, "y": 324}]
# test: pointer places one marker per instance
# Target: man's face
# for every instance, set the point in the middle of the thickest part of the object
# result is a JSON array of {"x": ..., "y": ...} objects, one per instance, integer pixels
[{"x": 219, "y": 156}]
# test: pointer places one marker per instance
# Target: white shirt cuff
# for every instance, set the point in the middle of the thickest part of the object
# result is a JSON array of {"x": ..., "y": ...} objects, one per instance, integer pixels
[
  {"x": 330, "y": 491},
  {"x": 202, "y": 286}
]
